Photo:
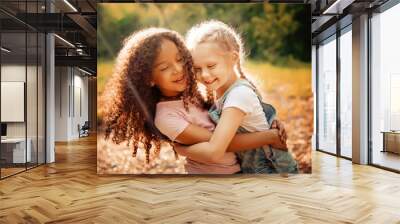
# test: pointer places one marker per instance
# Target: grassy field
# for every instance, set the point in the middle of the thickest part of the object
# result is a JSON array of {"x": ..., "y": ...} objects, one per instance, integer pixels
[
  {"x": 296, "y": 80},
  {"x": 288, "y": 89},
  {"x": 105, "y": 69}
]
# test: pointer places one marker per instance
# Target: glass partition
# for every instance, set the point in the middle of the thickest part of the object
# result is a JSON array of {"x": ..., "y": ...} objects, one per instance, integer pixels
[
  {"x": 31, "y": 100},
  {"x": 14, "y": 154},
  {"x": 22, "y": 89}
]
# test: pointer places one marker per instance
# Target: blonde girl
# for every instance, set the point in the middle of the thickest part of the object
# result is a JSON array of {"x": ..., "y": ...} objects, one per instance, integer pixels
[{"x": 218, "y": 56}]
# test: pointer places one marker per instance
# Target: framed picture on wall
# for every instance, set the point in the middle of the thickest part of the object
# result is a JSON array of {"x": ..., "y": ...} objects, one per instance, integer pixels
[{"x": 204, "y": 88}]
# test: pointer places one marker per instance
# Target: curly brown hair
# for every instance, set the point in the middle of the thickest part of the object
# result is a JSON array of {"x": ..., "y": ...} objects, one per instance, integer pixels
[{"x": 131, "y": 99}]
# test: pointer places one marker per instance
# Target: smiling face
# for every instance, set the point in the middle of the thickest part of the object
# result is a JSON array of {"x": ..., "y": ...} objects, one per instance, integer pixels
[
  {"x": 168, "y": 70},
  {"x": 214, "y": 66}
]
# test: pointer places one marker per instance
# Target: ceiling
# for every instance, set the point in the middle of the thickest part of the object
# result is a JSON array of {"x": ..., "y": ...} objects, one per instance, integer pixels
[
  {"x": 74, "y": 22},
  {"x": 328, "y": 16}
]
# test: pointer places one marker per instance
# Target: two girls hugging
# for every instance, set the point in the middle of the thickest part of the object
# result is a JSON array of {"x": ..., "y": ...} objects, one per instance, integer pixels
[{"x": 155, "y": 98}]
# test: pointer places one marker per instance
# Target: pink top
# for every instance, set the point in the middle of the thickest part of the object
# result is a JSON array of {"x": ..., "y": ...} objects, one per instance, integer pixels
[{"x": 172, "y": 119}]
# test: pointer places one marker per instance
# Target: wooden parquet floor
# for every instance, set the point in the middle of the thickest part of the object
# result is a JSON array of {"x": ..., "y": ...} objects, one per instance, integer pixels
[{"x": 70, "y": 191}]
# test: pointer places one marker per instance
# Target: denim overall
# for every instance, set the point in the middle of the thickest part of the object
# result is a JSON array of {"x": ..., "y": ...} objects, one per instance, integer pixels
[{"x": 256, "y": 160}]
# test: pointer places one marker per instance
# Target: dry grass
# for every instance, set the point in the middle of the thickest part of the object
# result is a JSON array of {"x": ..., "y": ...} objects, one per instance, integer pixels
[
  {"x": 289, "y": 91},
  {"x": 117, "y": 159}
]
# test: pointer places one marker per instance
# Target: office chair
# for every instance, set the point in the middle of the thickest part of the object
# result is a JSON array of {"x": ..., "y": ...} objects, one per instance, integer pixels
[{"x": 84, "y": 130}]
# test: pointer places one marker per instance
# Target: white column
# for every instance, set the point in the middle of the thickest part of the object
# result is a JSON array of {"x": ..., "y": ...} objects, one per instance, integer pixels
[
  {"x": 50, "y": 92},
  {"x": 50, "y": 100},
  {"x": 360, "y": 90}
]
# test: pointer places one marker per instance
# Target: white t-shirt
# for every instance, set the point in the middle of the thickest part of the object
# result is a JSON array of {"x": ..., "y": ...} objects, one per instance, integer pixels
[{"x": 245, "y": 99}]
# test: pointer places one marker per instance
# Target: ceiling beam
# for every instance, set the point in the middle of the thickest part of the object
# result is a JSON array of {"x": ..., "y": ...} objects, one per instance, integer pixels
[
  {"x": 337, "y": 7},
  {"x": 77, "y": 61},
  {"x": 86, "y": 27}
]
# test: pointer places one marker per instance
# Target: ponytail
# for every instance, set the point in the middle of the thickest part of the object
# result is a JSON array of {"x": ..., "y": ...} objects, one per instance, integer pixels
[{"x": 242, "y": 75}]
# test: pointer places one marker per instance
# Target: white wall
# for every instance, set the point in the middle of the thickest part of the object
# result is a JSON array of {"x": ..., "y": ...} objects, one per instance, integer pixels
[
  {"x": 70, "y": 84},
  {"x": 14, "y": 73},
  {"x": 61, "y": 103},
  {"x": 79, "y": 117}
]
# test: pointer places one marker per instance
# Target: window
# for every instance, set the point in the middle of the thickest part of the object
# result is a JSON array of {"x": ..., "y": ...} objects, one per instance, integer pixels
[
  {"x": 385, "y": 88},
  {"x": 346, "y": 93},
  {"x": 327, "y": 96}
]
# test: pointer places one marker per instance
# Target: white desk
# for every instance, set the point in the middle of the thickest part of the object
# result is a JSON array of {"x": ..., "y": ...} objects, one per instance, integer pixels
[{"x": 18, "y": 149}]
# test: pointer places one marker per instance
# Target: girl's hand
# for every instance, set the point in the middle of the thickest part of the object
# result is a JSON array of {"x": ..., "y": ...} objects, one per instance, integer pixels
[
  {"x": 278, "y": 143},
  {"x": 281, "y": 130}
]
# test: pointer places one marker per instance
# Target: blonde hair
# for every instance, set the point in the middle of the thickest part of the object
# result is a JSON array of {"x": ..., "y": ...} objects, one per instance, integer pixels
[{"x": 219, "y": 32}]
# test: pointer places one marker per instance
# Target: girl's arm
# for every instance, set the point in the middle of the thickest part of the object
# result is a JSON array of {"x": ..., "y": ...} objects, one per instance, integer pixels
[
  {"x": 243, "y": 141},
  {"x": 169, "y": 122},
  {"x": 214, "y": 149}
]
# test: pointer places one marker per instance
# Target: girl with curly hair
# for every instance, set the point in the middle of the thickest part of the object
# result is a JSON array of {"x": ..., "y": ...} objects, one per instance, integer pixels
[{"x": 154, "y": 94}]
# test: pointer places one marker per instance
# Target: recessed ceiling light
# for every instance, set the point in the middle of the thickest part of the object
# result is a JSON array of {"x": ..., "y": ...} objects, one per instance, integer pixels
[
  {"x": 70, "y": 5},
  {"x": 5, "y": 49},
  {"x": 65, "y": 41},
  {"x": 337, "y": 7},
  {"x": 84, "y": 71}
]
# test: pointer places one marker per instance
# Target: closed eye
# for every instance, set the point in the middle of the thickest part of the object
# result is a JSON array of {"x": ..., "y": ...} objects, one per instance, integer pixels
[
  {"x": 211, "y": 66},
  {"x": 164, "y": 68}
]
